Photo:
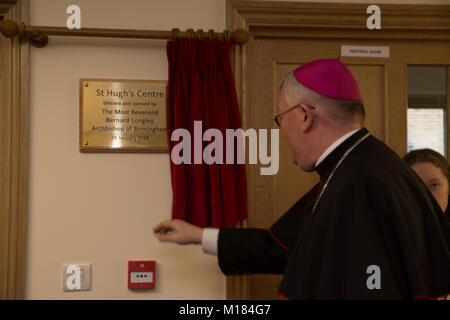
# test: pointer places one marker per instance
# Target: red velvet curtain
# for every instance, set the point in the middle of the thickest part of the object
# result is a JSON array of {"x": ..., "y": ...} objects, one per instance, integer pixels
[{"x": 201, "y": 88}]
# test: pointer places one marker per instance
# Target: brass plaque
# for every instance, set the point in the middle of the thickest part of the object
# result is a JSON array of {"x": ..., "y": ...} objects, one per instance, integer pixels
[{"x": 123, "y": 116}]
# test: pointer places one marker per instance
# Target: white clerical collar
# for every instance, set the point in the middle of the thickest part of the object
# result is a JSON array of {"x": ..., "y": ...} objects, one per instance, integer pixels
[{"x": 335, "y": 145}]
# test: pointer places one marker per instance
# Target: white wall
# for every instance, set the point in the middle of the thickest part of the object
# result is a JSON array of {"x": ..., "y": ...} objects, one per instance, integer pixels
[{"x": 100, "y": 208}]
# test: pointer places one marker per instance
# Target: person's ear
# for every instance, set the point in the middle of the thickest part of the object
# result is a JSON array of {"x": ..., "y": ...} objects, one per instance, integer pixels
[{"x": 308, "y": 118}]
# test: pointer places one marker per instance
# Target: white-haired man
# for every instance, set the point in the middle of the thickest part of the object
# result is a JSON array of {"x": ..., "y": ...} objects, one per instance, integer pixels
[{"x": 368, "y": 230}]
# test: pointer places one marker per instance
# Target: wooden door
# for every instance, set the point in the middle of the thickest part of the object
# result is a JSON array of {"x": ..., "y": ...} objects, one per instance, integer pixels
[
  {"x": 275, "y": 194},
  {"x": 286, "y": 35}
]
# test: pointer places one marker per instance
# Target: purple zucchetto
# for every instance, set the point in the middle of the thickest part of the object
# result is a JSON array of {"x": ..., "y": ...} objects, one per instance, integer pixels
[{"x": 330, "y": 78}]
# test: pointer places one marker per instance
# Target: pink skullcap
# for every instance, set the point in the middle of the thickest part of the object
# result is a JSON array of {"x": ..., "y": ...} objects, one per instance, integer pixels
[{"x": 329, "y": 77}]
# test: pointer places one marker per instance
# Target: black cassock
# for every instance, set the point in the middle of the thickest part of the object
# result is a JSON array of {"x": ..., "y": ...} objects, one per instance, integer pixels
[{"x": 375, "y": 211}]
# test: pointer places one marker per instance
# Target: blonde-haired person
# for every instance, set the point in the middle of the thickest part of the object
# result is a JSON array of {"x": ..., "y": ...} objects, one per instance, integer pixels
[{"x": 434, "y": 170}]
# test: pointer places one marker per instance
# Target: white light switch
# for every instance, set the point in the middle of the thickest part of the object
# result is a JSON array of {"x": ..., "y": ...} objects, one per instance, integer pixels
[{"x": 76, "y": 277}]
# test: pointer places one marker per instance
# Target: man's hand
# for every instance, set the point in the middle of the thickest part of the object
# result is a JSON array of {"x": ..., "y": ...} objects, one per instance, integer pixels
[{"x": 178, "y": 231}]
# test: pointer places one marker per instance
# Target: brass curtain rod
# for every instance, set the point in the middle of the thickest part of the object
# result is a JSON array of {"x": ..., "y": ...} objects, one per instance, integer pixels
[{"x": 38, "y": 35}]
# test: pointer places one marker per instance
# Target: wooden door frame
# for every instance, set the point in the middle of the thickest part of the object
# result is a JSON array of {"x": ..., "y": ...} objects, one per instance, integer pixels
[
  {"x": 296, "y": 20},
  {"x": 14, "y": 146}
]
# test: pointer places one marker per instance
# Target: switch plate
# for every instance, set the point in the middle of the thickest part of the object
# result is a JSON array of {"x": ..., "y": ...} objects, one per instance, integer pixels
[{"x": 76, "y": 277}]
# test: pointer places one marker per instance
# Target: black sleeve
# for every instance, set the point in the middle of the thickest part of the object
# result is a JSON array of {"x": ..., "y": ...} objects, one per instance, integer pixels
[
  {"x": 416, "y": 238},
  {"x": 244, "y": 251},
  {"x": 287, "y": 228}
]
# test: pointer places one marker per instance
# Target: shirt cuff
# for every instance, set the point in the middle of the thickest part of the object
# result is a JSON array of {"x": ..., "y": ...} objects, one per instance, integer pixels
[{"x": 210, "y": 237}]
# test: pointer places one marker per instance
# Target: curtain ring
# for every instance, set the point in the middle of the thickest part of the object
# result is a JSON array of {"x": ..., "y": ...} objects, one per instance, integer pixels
[
  {"x": 38, "y": 39},
  {"x": 190, "y": 33},
  {"x": 227, "y": 35},
  {"x": 211, "y": 34},
  {"x": 200, "y": 34},
  {"x": 174, "y": 33}
]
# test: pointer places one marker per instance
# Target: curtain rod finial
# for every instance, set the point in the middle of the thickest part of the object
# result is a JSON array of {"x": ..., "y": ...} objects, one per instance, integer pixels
[
  {"x": 9, "y": 28},
  {"x": 240, "y": 36}
]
